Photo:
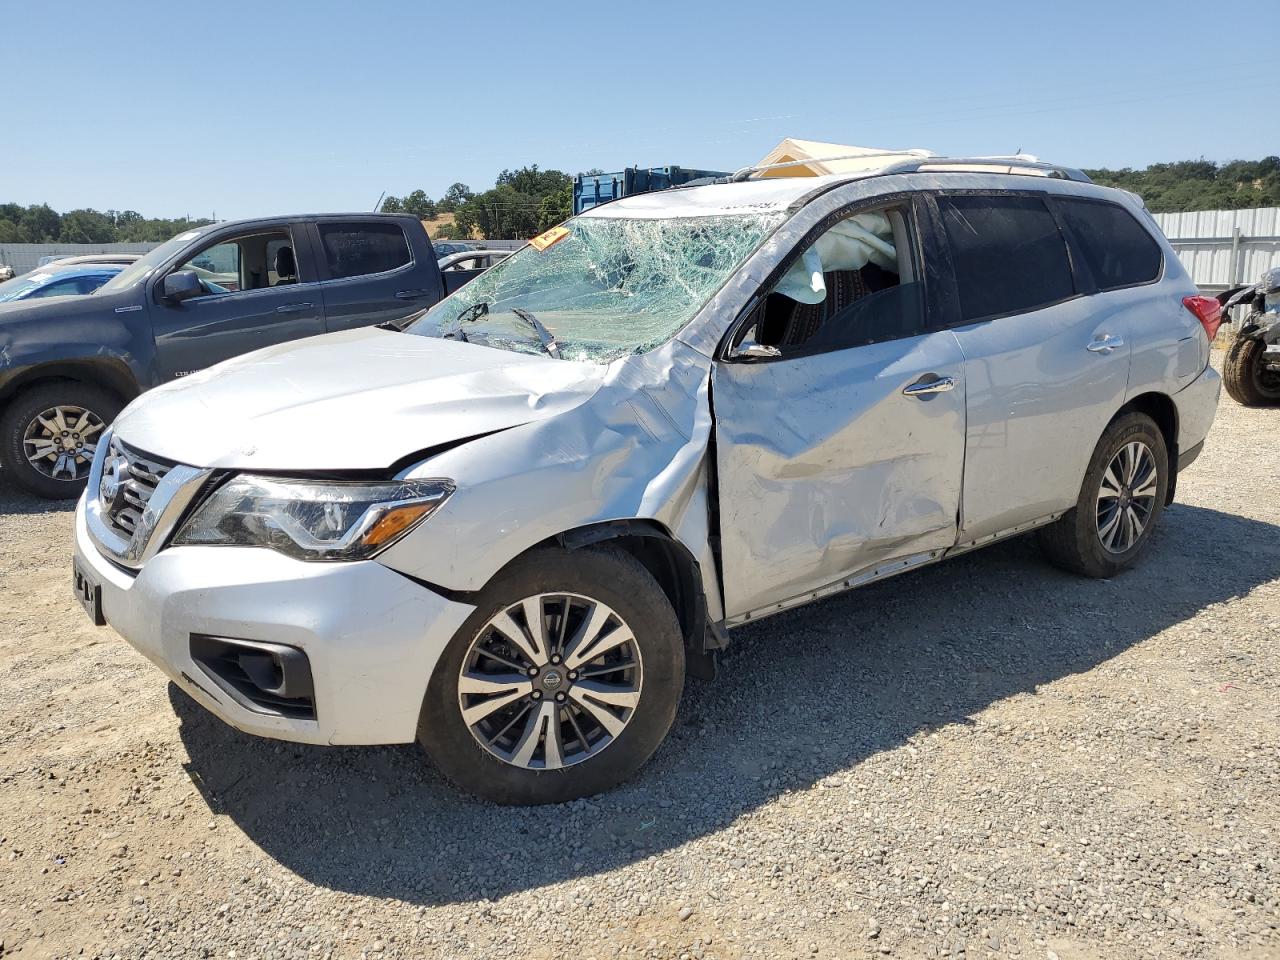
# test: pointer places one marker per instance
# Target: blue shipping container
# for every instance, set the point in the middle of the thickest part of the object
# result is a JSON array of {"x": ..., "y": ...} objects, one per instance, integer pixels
[{"x": 592, "y": 191}]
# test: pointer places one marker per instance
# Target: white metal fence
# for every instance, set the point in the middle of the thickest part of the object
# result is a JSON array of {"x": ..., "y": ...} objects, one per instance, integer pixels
[
  {"x": 25, "y": 256},
  {"x": 1223, "y": 248}
]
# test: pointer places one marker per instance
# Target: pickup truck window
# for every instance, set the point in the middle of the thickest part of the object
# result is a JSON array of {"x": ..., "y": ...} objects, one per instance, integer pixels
[
  {"x": 612, "y": 286},
  {"x": 251, "y": 262},
  {"x": 357, "y": 249},
  {"x": 141, "y": 268}
]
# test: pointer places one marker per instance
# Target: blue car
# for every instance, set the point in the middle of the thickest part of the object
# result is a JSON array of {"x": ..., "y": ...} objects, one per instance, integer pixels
[{"x": 57, "y": 280}]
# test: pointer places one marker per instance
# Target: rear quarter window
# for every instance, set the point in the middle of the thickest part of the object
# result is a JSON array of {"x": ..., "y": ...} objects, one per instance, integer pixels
[
  {"x": 357, "y": 249},
  {"x": 1008, "y": 253},
  {"x": 1117, "y": 249}
]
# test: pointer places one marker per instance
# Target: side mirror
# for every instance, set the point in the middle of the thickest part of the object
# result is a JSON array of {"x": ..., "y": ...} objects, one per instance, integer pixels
[
  {"x": 182, "y": 285},
  {"x": 750, "y": 350}
]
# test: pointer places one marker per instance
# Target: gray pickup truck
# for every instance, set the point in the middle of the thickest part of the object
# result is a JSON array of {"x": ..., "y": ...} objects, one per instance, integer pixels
[{"x": 68, "y": 365}]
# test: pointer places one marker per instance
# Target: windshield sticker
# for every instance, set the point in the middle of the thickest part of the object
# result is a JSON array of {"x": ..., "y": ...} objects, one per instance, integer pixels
[
  {"x": 552, "y": 236},
  {"x": 38, "y": 277},
  {"x": 187, "y": 236}
]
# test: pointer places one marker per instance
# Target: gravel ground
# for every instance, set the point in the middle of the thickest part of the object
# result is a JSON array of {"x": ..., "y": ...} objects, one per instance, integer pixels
[{"x": 985, "y": 758}]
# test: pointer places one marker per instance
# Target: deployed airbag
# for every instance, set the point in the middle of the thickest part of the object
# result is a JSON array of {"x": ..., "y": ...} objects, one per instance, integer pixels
[{"x": 850, "y": 245}]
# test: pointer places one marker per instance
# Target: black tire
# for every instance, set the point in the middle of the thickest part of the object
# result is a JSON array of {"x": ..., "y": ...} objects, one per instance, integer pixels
[
  {"x": 23, "y": 409},
  {"x": 608, "y": 576},
  {"x": 1073, "y": 541},
  {"x": 1245, "y": 379}
]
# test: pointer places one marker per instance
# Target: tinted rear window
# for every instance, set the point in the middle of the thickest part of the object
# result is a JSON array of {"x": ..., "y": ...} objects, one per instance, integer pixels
[
  {"x": 355, "y": 249},
  {"x": 1008, "y": 253},
  {"x": 1118, "y": 251}
]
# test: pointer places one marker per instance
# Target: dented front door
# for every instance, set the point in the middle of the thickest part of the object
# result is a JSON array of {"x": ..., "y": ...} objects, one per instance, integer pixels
[{"x": 833, "y": 464}]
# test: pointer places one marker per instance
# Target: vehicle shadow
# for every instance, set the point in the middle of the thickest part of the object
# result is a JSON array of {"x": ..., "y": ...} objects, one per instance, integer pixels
[
  {"x": 801, "y": 696},
  {"x": 18, "y": 502}
]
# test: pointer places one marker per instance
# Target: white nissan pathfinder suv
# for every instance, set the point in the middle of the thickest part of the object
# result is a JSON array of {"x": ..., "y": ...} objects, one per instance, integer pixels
[{"x": 508, "y": 525}]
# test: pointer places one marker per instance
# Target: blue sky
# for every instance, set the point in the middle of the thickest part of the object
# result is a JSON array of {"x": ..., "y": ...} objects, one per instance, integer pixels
[{"x": 245, "y": 109}]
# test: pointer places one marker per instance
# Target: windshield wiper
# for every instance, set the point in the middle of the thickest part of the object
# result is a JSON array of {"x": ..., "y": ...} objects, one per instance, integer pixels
[
  {"x": 548, "y": 339},
  {"x": 469, "y": 315},
  {"x": 399, "y": 326}
]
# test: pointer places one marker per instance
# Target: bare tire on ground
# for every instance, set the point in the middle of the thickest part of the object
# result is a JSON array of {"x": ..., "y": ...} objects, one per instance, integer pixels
[
  {"x": 49, "y": 433},
  {"x": 1245, "y": 378},
  {"x": 1121, "y": 499},
  {"x": 561, "y": 684}
]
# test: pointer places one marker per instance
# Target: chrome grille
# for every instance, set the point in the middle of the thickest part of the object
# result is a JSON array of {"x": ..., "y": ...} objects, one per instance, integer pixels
[{"x": 129, "y": 478}]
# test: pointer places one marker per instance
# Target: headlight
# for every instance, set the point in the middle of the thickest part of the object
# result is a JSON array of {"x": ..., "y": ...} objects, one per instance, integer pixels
[{"x": 310, "y": 520}]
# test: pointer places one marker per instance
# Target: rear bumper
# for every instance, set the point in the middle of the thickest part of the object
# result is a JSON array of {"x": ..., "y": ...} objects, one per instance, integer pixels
[
  {"x": 1187, "y": 457},
  {"x": 372, "y": 636},
  {"x": 1197, "y": 403}
]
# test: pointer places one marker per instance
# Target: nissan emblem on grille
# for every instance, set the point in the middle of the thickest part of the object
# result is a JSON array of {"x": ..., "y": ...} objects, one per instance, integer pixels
[{"x": 128, "y": 481}]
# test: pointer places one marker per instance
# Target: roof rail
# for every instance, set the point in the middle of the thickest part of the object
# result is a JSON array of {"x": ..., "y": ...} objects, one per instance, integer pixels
[{"x": 1019, "y": 163}]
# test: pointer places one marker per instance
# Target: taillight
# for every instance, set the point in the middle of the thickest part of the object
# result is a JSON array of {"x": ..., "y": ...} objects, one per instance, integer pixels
[{"x": 1208, "y": 311}]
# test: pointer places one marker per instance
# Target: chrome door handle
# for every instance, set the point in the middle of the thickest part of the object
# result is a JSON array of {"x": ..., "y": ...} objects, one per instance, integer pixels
[
  {"x": 927, "y": 388},
  {"x": 293, "y": 307},
  {"x": 1104, "y": 344}
]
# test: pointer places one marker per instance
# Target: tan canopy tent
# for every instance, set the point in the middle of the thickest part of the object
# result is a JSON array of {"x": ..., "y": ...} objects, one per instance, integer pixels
[{"x": 808, "y": 154}]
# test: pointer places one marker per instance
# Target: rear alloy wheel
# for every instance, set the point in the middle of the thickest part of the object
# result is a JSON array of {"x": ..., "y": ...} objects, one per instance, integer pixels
[
  {"x": 49, "y": 435},
  {"x": 561, "y": 684},
  {"x": 1127, "y": 497},
  {"x": 1246, "y": 377},
  {"x": 1121, "y": 498}
]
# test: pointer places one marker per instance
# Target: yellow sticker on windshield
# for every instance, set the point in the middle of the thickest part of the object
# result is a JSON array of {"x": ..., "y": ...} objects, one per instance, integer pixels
[{"x": 544, "y": 240}]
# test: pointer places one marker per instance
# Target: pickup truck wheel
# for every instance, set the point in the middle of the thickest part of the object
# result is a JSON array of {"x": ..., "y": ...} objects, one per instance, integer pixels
[
  {"x": 1246, "y": 379},
  {"x": 1121, "y": 499},
  {"x": 561, "y": 684},
  {"x": 49, "y": 434}
]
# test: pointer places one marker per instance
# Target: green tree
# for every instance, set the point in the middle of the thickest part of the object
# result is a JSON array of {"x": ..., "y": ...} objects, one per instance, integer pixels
[
  {"x": 451, "y": 231},
  {"x": 41, "y": 223},
  {"x": 555, "y": 208},
  {"x": 11, "y": 232},
  {"x": 502, "y": 213},
  {"x": 420, "y": 205},
  {"x": 1199, "y": 184},
  {"x": 454, "y": 197},
  {"x": 86, "y": 226},
  {"x": 392, "y": 205}
]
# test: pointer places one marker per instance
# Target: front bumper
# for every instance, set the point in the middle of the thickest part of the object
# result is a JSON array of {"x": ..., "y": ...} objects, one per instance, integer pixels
[{"x": 372, "y": 635}]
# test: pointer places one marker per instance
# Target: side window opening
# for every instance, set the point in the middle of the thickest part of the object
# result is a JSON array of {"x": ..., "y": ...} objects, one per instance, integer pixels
[
  {"x": 1008, "y": 254},
  {"x": 253, "y": 262},
  {"x": 856, "y": 284},
  {"x": 1117, "y": 249},
  {"x": 359, "y": 249}
]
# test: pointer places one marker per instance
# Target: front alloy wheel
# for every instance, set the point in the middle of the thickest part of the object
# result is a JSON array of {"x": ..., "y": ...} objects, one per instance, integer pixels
[
  {"x": 562, "y": 682},
  {"x": 49, "y": 434},
  {"x": 59, "y": 442},
  {"x": 550, "y": 681}
]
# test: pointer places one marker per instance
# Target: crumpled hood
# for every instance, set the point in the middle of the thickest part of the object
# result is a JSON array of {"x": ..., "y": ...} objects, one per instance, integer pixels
[{"x": 359, "y": 399}]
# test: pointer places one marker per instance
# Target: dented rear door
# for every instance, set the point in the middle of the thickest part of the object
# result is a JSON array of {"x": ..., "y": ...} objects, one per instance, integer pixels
[{"x": 827, "y": 468}]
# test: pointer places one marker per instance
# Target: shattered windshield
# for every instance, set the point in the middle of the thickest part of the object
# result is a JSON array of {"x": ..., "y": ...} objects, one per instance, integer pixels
[{"x": 602, "y": 287}]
